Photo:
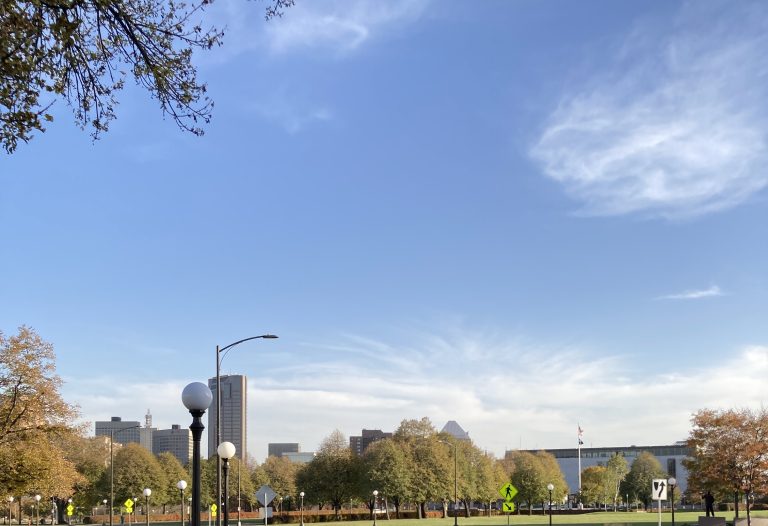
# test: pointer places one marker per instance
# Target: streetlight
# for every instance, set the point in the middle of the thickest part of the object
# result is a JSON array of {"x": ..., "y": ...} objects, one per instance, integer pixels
[
  {"x": 112, "y": 468},
  {"x": 550, "y": 487},
  {"x": 147, "y": 492},
  {"x": 226, "y": 450},
  {"x": 672, "y": 482},
  {"x": 375, "y": 496},
  {"x": 455, "y": 482},
  {"x": 197, "y": 398},
  {"x": 37, "y": 509},
  {"x": 301, "y": 507},
  {"x": 220, "y": 353},
  {"x": 10, "y": 509},
  {"x": 182, "y": 485}
]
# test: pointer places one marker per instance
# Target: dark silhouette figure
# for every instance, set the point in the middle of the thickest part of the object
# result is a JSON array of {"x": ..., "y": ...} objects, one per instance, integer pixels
[{"x": 709, "y": 504}]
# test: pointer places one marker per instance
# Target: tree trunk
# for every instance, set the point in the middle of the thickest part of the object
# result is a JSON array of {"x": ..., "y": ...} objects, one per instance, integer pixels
[
  {"x": 418, "y": 510},
  {"x": 466, "y": 507},
  {"x": 424, "y": 510},
  {"x": 445, "y": 509},
  {"x": 397, "y": 507},
  {"x": 735, "y": 504},
  {"x": 386, "y": 507}
]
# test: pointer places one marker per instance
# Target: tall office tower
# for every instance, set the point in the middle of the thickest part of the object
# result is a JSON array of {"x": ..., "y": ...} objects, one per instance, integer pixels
[
  {"x": 175, "y": 440},
  {"x": 234, "y": 423},
  {"x": 123, "y": 435}
]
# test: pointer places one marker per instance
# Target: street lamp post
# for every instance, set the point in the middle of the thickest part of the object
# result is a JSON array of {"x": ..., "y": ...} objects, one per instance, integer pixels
[
  {"x": 220, "y": 352},
  {"x": 182, "y": 485},
  {"x": 147, "y": 493},
  {"x": 10, "y": 509},
  {"x": 672, "y": 482},
  {"x": 455, "y": 482},
  {"x": 226, "y": 450},
  {"x": 375, "y": 497},
  {"x": 112, "y": 468},
  {"x": 550, "y": 487},
  {"x": 301, "y": 508},
  {"x": 37, "y": 509},
  {"x": 197, "y": 398}
]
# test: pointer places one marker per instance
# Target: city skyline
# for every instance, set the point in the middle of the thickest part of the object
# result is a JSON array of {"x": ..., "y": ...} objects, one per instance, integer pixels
[{"x": 522, "y": 217}]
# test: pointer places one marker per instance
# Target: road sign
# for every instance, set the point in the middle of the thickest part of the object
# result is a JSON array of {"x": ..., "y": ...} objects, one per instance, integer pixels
[
  {"x": 508, "y": 492},
  {"x": 508, "y": 507},
  {"x": 265, "y": 495},
  {"x": 659, "y": 489},
  {"x": 267, "y": 510},
  {"x": 70, "y": 509},
  {"x": 214, "y": 507},
  {"x": 128, "y": 505}
]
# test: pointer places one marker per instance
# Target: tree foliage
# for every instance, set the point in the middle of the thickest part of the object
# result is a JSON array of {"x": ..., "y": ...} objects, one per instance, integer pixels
[
  {"x": 334, "y": 474},
  {"x": 82, "y": 51},
  {"x": 35, "y": 422},
  {"x": 637, "y": 484},
  {"x": 529, "y": 477},
  {"x": 729, "y": 452}
]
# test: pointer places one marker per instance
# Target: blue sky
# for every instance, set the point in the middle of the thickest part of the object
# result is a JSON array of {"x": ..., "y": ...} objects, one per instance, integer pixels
[{"x": 519, "y": 215}]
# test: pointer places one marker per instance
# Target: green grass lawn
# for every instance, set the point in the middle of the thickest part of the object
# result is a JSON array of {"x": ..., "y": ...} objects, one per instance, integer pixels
[{"x": 597, "y": 518}]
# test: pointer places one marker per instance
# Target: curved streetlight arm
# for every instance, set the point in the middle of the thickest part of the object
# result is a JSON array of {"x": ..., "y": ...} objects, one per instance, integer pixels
[
  {"x": 220, "y": 353},
  {"x": 223, "y": 350}
]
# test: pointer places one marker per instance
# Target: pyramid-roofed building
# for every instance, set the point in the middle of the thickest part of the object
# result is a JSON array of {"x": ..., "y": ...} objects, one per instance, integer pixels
[{"x": 453, "y": 428}]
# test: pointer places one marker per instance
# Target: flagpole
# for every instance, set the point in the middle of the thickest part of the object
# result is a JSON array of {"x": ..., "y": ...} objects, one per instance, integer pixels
[{"x": 579, "y": 449}]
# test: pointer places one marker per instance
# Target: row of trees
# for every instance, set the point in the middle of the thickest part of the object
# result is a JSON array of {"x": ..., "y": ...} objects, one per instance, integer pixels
[
  {"x": 41, "y": 452},
  {"x": 609, "y": 484}
]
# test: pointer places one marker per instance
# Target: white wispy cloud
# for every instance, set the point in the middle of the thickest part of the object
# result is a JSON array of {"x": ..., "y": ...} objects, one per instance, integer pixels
[
  {"x": 543, "y": 389},
  {"x": 710, "y": 292},
  {"x": 292, "y": 117},
  {"x": 341, "y": 26},
  {"x": 676, "y": 128}
]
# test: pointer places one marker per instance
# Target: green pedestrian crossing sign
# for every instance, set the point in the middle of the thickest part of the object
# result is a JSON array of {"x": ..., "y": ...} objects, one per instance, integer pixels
[
  {"x": 508, "y": 492},
  {"x": 508, "y": 507}
]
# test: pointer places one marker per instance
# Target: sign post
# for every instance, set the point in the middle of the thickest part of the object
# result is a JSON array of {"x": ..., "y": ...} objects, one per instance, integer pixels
[
  {"x": 508, "y": 492},
  {"x": 659, "y": 493},
  {"x": 265, "y": 495}
]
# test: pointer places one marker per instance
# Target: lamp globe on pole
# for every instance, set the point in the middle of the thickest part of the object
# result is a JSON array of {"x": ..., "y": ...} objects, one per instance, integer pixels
[
  {"x": 182, "y": 485},
  {"x": 37, "y": 509},
  {"x": 550, "y": 488},
  {"x": 375, "y": 497},
  {"x": 147, "y": 492},
  {"x": 301, "y": 508},
  {"x": 196, "y": 397},
  {"x": 226, "y": 450},
  {"x": 672, "y": 481}
]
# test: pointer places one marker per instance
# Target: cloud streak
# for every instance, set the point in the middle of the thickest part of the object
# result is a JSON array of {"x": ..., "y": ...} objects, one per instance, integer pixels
[
  {"x": 710, "y": 292},
  {"x": 339, "y": 26},
  {"x": 543, "y": 389},
  {"x": 676, "y": 129}
]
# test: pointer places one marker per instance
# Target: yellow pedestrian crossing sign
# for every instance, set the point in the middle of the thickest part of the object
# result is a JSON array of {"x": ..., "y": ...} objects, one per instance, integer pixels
[
  {"x": 70, "y": 509},
  {"x": 508, "y": 507},
  {"x": 128, "y": 505},
  {"x": 214, "y": 507},
  {"x": 508, "y": 492}
]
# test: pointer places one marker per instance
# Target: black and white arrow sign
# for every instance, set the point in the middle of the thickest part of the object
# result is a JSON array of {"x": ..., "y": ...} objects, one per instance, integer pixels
[{"x": 659, "y": 489}]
